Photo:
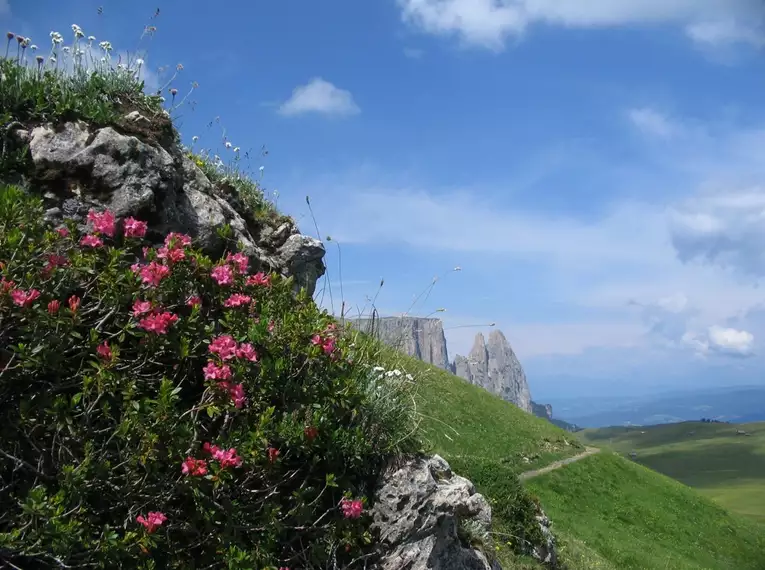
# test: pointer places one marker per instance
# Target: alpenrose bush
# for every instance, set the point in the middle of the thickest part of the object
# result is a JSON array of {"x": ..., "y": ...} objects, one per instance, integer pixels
[{"x": 159, "y": 409}]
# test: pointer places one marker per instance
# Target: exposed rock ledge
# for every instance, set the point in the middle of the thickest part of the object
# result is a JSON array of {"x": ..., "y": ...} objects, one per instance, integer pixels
[
  {"x": 75, "y": 167},
  {"x": 418, "y": 508}
]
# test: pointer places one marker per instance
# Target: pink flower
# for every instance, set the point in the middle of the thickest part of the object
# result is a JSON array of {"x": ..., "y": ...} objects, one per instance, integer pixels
[
  {"x": 74, "y": 303},
  {"x": 6, "y": 286},
  {"x": 24, "y": 298},
  {"x": 103, "y": 223},
  {"x": 328, "y": 346},
  {"x": 237, "y": 395},
  {"x": 247, "y": 352},
  {"x": 53, "y": 307},
  {"x": 193, "y": 466},
  {"x": 316, "y": 340},
  {"x": 271, "y": 326},
  {"x": 175, "y": 240},
  {"x": 214, "y": 372},
  {"x": 141, "y": 308},
  {"x": 351, "y": 509},
  {"x": 62, "y": 231},
  {"x": 237, "y": 300},
  {"x": 54, "y": 261},
  {"x": 226, "y": 458},
  {"x": 194, "y": 301},
  {"x": 104, "y": 351},
  {"x": 91, "y": 241},
  {"x": 259, "y": 279},
  {"x": 135, "y": 228},
  {"x": 174, "y": 255},
  {"x": 153, "y": 521},
  {"x": 224, "y": 346},
  {"x": 153, "y": 273},
  {"x": 241, "y": 261},
  {"x": 272, "y": 454},
  {"x": 223, "y": 274},
  {"x": 158, "y": 322}
]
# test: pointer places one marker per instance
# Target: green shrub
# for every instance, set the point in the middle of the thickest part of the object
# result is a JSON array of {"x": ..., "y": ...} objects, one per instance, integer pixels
[{"x": 159, "y": 409}]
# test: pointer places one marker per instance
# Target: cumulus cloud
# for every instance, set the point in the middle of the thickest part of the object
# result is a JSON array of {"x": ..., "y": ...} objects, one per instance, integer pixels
[
  {"x": 319, "y": 96},
  {"x": 722, "y": 340},
  {"x": 725, "y": 229},
  {"x": 673, "y": 322},
  {"x": 488, "y": 23}
]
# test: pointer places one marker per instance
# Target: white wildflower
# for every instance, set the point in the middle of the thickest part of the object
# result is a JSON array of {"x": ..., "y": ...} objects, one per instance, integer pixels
[
  {"x": 56, "y": 38},
  {"x": 236, "y": 149},
  {"x": 409, "y": 377},
  {"x": 106, "y": 46},
  {"x": 33, "y": 47},
  {"x": 139, "y": 62},
  {"x": 262, "y": 168},
  {"x": 378, "y": 369},
  {"x": 195, "y": 138},
  {"x": 91, "y": 39},
  {"x": 228, "y": 144},
  {"x": 52, "y": 59}
]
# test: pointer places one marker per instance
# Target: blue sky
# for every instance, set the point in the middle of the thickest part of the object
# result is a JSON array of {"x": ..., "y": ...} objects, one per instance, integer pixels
[{"x": 594, "y": 167}]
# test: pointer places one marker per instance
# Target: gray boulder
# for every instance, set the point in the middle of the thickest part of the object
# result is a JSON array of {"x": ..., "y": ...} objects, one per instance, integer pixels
[
  {"x": 77, "y": 167},
  {"x": 418, "y": 509}
]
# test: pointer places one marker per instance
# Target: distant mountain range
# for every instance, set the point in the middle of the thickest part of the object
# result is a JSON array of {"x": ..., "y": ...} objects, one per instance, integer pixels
[{"x": 738, "y": 405}]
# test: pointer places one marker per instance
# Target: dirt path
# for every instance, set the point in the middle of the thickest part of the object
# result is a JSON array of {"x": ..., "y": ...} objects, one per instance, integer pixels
[{"x": 558, "y": 464}]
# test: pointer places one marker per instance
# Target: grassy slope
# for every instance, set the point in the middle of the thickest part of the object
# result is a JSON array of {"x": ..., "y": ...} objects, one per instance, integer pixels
[
  {"x": 617, "y": 514},
  {"x": 609, "y": 513},
  {"x": 720, "y": 464}
]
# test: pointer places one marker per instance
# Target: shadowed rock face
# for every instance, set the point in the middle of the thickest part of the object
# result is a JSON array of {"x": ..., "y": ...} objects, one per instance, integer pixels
[
  {"x": 494, "y": 366},
  {"x": 418, "y": 337},
  {"x": 542, "y": 410}
]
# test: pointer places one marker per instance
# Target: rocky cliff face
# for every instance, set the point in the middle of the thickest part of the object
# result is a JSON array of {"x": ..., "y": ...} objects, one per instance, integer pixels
[
  {"x": 494, "y": 366},
  {"x": 542, "y": 410},
  {"x": 75, "y": 167},
  {"x": 418, "y": 337}
]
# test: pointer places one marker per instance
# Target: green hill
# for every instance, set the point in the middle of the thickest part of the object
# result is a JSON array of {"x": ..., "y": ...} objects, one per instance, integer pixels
[
  {"x": 607, "y": 511},
  {"x": 714, "y": 459}
]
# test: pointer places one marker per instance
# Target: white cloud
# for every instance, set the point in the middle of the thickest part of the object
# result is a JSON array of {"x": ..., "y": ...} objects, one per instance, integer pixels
[
  {"x": 651, "y": 122},
  {"x": 488, "y": 23},
  {"x": 722, "y": 340},
  {"x": 319, "y": 96},
  {"x": 723, "y": 228}
]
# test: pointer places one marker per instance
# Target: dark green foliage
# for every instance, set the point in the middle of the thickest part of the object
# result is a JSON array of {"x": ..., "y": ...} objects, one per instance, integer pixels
[{"x": 91, "y": 438}]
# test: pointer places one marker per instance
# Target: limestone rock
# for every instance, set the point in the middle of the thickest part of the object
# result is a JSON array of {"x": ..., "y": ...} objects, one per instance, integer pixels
[
  {"x": 77, "y": 167},
  {"x": 421, "y": 338},
  {"x": 542, "y": 410},
  {"x": 495, "y": 367},
  {"x": 417, "y": 512}
]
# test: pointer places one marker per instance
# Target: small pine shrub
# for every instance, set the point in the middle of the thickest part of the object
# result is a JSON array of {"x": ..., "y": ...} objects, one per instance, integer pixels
[{"x": 161, "y": 409}]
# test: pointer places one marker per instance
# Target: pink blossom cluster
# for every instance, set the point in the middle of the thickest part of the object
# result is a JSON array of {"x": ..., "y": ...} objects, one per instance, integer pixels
[
  {"x": 225, "y": 457},
  {"x": 327, "y": 340},
  {"x": 259, "y": 279},
  {"x": 156, "y": 321},
  {"x": 135, "y": 228},
  {"x": 152, "y": 521},
  {"x": 175, "y": 246},
  {"x": 352, "y": 509},
  {"x": 226, "y": 348}
]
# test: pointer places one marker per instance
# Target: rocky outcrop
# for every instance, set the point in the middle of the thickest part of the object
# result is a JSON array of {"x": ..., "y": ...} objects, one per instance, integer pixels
[
  {"x": 542, "y": 410},
  {"x": 76, "y": 167},
  {"x": 418, "y": 337},
  {"x": 495, "y": 367},
  {"x": 420, "y": 512}
]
